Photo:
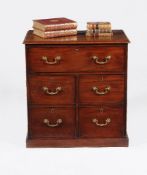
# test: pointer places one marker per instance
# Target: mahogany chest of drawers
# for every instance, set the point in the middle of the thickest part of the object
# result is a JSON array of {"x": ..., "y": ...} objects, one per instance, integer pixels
[{"x": 77, "y": 90}]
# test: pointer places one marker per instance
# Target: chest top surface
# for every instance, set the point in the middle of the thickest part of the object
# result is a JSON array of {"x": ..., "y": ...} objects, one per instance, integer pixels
[{"x": 118, "y": 37}]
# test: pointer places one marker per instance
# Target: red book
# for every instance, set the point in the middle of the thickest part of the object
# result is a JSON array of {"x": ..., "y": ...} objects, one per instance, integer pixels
[
  {"x": 53, "y": 24},
  {"x": 56, "y": 33}
]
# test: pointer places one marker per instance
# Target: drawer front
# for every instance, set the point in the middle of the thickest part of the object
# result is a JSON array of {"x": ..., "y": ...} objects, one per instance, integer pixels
[
  {"x": 51, "y": 89},
  {"x": 102, "y": 121},
  {"x": 53, "y": 122},
  {"x": 76, "y": 59},
  {"x": 95, "y": 89}
]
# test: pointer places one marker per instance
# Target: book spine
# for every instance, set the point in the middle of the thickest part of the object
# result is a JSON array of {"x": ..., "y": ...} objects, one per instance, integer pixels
[
  {"x": 89, "y": 32},
  {"x": 99, "y": 26},
  {"x": 51, "y": 34},
  {"x": 104, "y": 30},
  {"x": 55, "y": 26}
]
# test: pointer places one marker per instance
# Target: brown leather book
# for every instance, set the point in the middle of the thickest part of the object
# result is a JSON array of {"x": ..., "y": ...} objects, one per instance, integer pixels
[
  {"x": 53, "y": 24},
  {"x": 56, "y": 33},
  {"x": 99, "y": 26}
]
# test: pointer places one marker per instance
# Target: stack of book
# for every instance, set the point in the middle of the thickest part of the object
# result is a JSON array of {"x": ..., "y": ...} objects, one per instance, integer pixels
[
  {"x": 54, "y": 27},
  {"x": 99, "y": 29}
]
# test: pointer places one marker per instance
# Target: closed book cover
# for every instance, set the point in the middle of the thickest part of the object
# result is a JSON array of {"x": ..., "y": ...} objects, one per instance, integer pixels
[
  {"x": 53, "y": 24},
  {"x": 51, "y": 34}
]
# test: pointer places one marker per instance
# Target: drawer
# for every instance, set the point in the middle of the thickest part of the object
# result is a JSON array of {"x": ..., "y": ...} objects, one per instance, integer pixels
[
  {"x": 51, "y": 89},
  {"x": 76, "y": 59},
  {"x": 53, "y": 122},
  {"x": 101, "y": 121},
  {"x": 95, "y": 89}
]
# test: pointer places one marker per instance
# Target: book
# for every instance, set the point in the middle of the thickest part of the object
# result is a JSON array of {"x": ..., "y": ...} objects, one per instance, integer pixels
[
  {"x": 93, "y": 33},
  {"x": 99, "y": 26},
  {"x": 53, "y": 24},
  {"x": 56, "y": 33},
  {"x": 101, "y": 29}
]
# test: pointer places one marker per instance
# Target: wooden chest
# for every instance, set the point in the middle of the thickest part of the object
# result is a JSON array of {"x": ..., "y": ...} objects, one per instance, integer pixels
[{"x": 76, "y": 90}]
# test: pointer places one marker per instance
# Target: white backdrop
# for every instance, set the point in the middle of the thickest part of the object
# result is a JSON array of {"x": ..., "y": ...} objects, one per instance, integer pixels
[{"x": 15, "y": 19}]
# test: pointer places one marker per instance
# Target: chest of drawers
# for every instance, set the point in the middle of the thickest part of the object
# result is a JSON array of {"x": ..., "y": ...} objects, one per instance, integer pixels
[{"x": 77, "y": 90}]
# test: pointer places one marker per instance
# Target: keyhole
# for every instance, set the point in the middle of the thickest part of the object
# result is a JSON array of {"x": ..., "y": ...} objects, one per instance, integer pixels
[
  {"x": 101, "y": 110},
  {"x": 52, "y": 110}
]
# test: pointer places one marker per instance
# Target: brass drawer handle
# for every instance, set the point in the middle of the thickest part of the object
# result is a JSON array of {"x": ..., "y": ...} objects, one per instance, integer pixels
[
  {"x": 106, "y": 90},
  {"x": 56, "y": 60},
  {"x": 47, "y": 91},
  {"x": 107, "y": 121},
  {"x": 105, "y": 60},
  {"x": 47, "y": 122}
]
